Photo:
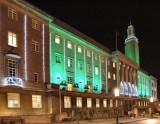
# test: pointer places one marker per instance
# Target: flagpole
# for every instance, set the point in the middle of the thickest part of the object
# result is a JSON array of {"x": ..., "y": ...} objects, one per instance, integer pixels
[{"x": 116, "y": 40}]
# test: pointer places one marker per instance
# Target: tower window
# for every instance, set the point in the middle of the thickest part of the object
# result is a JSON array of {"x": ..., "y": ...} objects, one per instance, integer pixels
[
  {"x": 88, "y": 53},
  {"x": 69, "y": 62},
  {"x": 79, "y": 49},
  {"x": 79, "y": 65},
  {"x": 96, "y": 70},
  {"x": 88, "y": 68}
]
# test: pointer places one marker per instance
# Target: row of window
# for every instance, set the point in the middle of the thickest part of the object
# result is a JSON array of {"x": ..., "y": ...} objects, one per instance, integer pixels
[
  {"x": 13, "y": 14},
  {"x": 67, "y": 102},
  {"x": 14, "y": 100}
]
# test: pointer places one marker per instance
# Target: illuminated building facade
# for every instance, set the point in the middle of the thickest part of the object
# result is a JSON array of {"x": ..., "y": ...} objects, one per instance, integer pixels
[{"x": 48, "y": 67}]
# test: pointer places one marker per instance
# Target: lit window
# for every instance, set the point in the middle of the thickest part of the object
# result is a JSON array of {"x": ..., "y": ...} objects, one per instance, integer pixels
[
  {"x": 58, "y": 58},
  {"x": 116, "y": 103},
  {"x": 79, "y": 102},
  {"x": 12, "y": 39},
  {"x": 88, "y": 68},
  {"x": 69, "y": 45},
  {"x": 35, "y": 46},
  {"x": 88, "y": 53},
  {"x": 36, "y": 101},
  {"x": 97, "y": 103},
  {"x": 12, "y": 68},
  {"x": 96, "y": 57},
  {"x": 36, "y": 77},
  {"x": 79, "y": 65},
  {"x": 12, "y": 14},
  {"x": 114, "y": 64},
  {"x": 57, "y": 39},
  {"x": 69, "y": 62},
  {"x": 69, "y": 80},
  {"x": 69, "y": 87},
  {"x": 67, "y": 102},
  {"x": 108, "y": 62},
  {"x": 104, "y": 103},
  {"x": 35, "y": 24},
  {"x": 96, "y": 70},
  {"x": 79, "y": 49},
  {"x": 13, "y": 100},
  {"x": 114, "y": 76},
  {"x": 111, "y": 102},
  {"x": 102, "y": 59},
  {"x": 109, "y": 75},
  {"x": 89, "y": 102}
]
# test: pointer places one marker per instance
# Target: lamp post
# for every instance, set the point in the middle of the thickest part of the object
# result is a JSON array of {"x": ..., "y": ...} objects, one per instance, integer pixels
[
  {"x": 58, "y": 78},
  {"x": 116, "y": 92},
  {"x": 151, "y": 101}
]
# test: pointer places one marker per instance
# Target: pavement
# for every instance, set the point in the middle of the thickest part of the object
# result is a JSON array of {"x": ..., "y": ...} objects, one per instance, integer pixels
[{"x": 121, "y": 120}]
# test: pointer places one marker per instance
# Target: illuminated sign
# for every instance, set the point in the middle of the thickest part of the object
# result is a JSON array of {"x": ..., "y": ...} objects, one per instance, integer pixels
[{"x": 13, "y": 81}]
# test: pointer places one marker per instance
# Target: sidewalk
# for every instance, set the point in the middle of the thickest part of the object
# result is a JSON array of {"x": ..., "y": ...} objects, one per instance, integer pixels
[{"x": 122, "y": 120}]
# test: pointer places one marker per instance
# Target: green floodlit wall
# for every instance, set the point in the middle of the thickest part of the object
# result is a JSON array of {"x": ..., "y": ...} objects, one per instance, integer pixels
[
  {"x": 132, "y": 51},
  {"x": 61, "y": 70},
  {"x": 144, "y": 85}
]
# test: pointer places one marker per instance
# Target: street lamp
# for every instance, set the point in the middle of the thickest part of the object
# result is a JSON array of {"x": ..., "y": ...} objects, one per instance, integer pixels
[
  {"x": 116, "y": 92},
  {"x": 151, "y": 100},
  {"x": 58, "y": 78}
]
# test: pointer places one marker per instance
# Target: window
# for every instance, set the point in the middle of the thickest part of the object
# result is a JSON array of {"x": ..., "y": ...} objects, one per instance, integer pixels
[
  {"x": 89, "y": 102},
  {"x": 79, "y": 49},
  {"x": 116, "y": 103},
  {"x": 108, "y": 62},
  {"x": 69, "y": 87},
  {"x": 69, "y": 45},
  {"x": 79, "y": 102},
  {"x": 102, "y": 59},
  {"x": 104, "y": 103},
  {"x": 111, "y": 102},
  {"x": 58, "y": 58},
  {"x": 79, "y": 65},
  {"x": 35, "y": 24},
  {"x": 114, "y": 76},
  {"x": 12, "y": 14},
  {"x": 67, "y": 102},
  {"x": 96, "y": 70},
  {"x": 88, "y": 68},
  {"x": 36, "y": 101},
  {"x": 12, "y": 68},
  {"x": 96, "y": 57},
  {"x": 36, "y": 77},
  {"x": 88, "y": 53},
  {"x": 88, "y": 82},
  {"x": 57, "y": 39},
  {"x": 69, "y": 62},
  {"x": 13, "y": 100},
  {"x": 114, "y": 64},
  {"x": 97, "y": 103},
  {"x": 69, "y": 80},
  {"x": 109, "y": 75},
  {"x": 12, "y": 39},
  {"x": 35, "y": 46}
]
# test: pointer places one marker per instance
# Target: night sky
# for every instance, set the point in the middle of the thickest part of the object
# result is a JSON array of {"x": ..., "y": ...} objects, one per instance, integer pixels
[{"x": 99, "y": 19}]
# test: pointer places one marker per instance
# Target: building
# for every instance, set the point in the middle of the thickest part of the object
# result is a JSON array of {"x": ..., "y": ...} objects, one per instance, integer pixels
[{"x": 48, "y": 67}]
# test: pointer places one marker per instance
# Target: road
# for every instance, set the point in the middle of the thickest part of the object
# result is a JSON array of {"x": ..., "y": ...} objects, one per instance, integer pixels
[{"x": 148, "y": 121}]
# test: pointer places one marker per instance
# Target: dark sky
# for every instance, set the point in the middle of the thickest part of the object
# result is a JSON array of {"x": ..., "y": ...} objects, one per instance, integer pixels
[{"x": 100, "y": 18}]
